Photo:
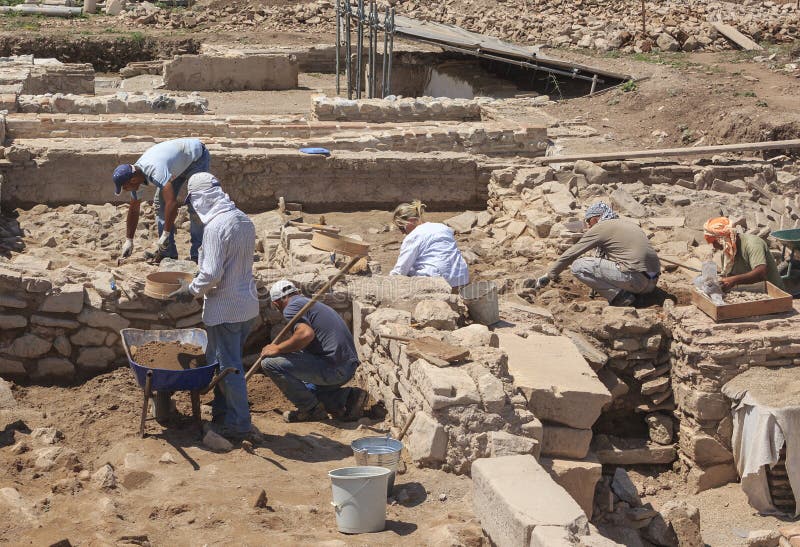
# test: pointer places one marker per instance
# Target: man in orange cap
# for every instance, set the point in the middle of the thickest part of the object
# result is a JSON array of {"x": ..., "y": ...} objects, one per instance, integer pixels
[{"x": 746, "y": 258}]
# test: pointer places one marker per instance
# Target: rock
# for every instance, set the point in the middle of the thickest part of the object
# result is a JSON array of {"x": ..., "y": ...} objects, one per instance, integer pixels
[
  {"x": 104, "y": 478},
  {"x": 506, "y": 444},
  {"x": 685, "y": 521},
  {"x": 14, "y": 506},
  {"x": 728, "y": 187},
  {"x": 625, "y": 203},
  {"x": 29, "y": 346},
  {"x": 691, "y": 44},
  {"x": 703, "y": 449},
  {"x": 53, "y": 368},
  {"x": 166, "y": 457},
  {"x": 623, "y": 487},
  {"x": 68, "y": 299},
  {"x": 216, "y": 442},
  {"x": 96, "y": 358},
  {"x": 763, "y": 538},
  {"x": 56, "y": 457},
  {"x": 435, "y": 313},
  {"x": 660, "y": 428},
  {"x": 114, "y": 7},
  {"x": 8, "y": 322},
  {"x": 595, "y": 357},
  {"x": 260, "y": 501},
  {"x": 101, "y": 319},
  {"x": 11, "y": 368},
  {"x": 62, "y": 346},
  {"x": 565, "y": 442},
  {"x": 660, "y": 532},
  {"x": 382, "y": 316},
  {"x": 6, "y": 396},
  {"x": 508, "y": 512},
  {"x": 613, "y": 451},
  {"x": 594, "y": 173},
  {"x": 562, "y": 203},
  {"x": 88, "y": 336},
  {"x": 427, "y": 439},
  {"x": 702, "y": 479},
  {"x": 463, "y": 223},
  {"x": 578, "y": 478},
  {"x": 47, "y": 435},
  {"x": 475, "y": 335},
  {"x": 665, "y": 42}
]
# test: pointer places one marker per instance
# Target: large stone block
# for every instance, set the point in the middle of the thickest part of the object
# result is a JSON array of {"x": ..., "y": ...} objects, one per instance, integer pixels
[
  {"x": 89, "y": 336},
  {"x": 96, "y": 358},
  {"x": 565, "y": 442},
  {"x": 53, "y": 368},
  {"x": 68, "y": 299},
  {"x": 578, "y": 478},
  {"x": 701, "y": 479},
  {"x": 427, "y": 440},
  {"x": 514, "y": 495},
  {"x": 506, "y": 444},
  {"x": 29, "y": 346},
  {"x": 436, "y": 314},
  {"x": 443, "y": 387},
  {"x": 8, "y": 322},
  {"x": 231, "y": 73},
  {"x": 557, "y": 381},
  {"x": 703, "y": 449},
  {"x": 103, "y": 319},
  {"x": 11, "y": 368}
]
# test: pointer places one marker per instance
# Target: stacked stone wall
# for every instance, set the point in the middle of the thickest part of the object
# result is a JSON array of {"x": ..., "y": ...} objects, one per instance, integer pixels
[{"x": 397, "y": 109}]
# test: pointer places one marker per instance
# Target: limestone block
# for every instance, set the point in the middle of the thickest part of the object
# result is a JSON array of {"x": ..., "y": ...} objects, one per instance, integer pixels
[
  {"x": 8, "y": 301},
  {"x": 615, "y": 451},
  {"x": 54, "y": 322},
  {"x": 301, "y": 251},
  {"x": 565, "y": 442},
  {"x": 29, "y": 346},
  {"x": 69, "y": 299},
  {"x": 88, "y": 336},
  {"x": 685, "y": 521},
  {"x": 627, "y": 204},
  {"x": 703, "y": 449},
  {"x": 53, "y": 368},
  {"x": 102, "y": 319},
  {"x": 62, "y": 346},
  {"x": 505, "y": 444},
  {"x": 704, "y": 405},
  {"x": 578, "y": 478},
  {"x": 729, "y": 187},
  {"x": 427, "y": 440},
  {"x": 557, "y": 381},
  {"x": 177, "y": 310},
  {"x": 492, "y": 393},
  {"x": 508, "y": 512},
  {"x": 463, "y": 223},
  {"x": 475, "y": 335},
  {"x": 701, "y": 479},
  {"x": 11, "y": 368},
  {"x": 763, "y": 538},
  {"x": 96, "y": 358},
  {"x": 551, "y": 536},
  {"x": 594, "y": 356},
  {"x": 436, "y": 314},
  {"x": 8, "y": 322},
  {"x": 594, "y": 173},
  {"x": 443, "y": 387},
  {"x": 562, "y": 203},
  {"x": 382, "y": 316}
]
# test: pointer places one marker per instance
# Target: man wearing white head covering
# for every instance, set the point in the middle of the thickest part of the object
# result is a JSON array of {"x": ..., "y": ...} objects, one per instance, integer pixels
[
  {"x": 626, "y": 264},
  {"x": 229, "y": 295}
]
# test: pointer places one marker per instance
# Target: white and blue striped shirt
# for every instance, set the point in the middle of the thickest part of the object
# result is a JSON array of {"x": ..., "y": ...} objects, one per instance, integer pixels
[
  {"x": 226, "y": 269},
  {"x": 430, "y": 250}
]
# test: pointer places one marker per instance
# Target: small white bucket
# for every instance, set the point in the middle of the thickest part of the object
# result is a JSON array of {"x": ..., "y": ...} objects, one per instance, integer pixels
[
  {"x": 359, "y": 498},
  {"x": 482, "y": 303}
]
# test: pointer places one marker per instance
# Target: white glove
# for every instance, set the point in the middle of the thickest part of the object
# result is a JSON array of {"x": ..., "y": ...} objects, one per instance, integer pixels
[
  {"x": 162, "y": 241},
  {"x": 127, "y": 248}
]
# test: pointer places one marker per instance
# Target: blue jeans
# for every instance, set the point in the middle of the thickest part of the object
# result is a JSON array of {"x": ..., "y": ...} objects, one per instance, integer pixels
[
  {"x": 606, "y": 278},
  {"x": 225, "y": 345},
  {"x": 293, "y": 372},
  {"x": 195, "y": 226}
]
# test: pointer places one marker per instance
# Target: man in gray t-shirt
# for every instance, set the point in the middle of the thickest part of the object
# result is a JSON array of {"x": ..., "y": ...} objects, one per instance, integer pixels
[{"x": 311, "y": 366}]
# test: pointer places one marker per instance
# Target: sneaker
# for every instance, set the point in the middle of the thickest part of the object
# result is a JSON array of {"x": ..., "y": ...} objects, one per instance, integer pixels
[
  {"x": 353, "y": 408},
  {"x": 315, "y": 414},
  {"x": 623, "y": 299}
]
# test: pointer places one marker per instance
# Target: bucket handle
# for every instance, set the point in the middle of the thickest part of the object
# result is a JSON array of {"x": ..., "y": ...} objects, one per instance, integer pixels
[{"x": 338, "y": 506}]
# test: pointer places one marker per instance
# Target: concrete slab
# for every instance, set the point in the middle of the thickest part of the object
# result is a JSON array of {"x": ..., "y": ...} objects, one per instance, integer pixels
[
  {"x": 557, "y": 381},
  {"x": 513, "y": 495}
]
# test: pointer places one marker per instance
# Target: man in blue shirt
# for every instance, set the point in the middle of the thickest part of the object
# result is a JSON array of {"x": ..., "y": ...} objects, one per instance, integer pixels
[
  {"x": 167, "y": 166},
  {"x": 311, "y": 366}
]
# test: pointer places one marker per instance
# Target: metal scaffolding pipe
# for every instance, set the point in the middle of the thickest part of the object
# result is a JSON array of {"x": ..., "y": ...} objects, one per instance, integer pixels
[
  {"x": 348, "y": 49},
  {"x": 338, "y": 42},
  {"x": 359, "y": 47},
  {"x": 391, "y": 50},
  {"x": 385, "y": 56}
]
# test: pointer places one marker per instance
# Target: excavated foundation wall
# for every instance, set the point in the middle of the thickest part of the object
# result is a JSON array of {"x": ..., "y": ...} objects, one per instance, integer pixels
[
  {"x": 231, "y": 73},
  {"x": 253, "y": 177}
]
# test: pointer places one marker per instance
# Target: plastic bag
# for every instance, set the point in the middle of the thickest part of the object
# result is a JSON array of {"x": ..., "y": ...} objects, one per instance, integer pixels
[{"x": 708, "y": 283}]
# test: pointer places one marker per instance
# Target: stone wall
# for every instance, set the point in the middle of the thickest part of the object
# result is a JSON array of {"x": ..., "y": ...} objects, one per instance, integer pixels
[
  {"x": 231, "y": 73},
  {"x": 397, "y": 109},
  {"x": 34, "y": 173},
  {"x": 119, "y": 103},
  {"x": 705, "y": 356},
  {"x": 267, "y": 132},
  {"x": 25, "y": 75}
]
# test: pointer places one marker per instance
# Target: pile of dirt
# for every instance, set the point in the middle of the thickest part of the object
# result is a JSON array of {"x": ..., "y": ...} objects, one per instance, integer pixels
[{"x": 168, "y": 355}]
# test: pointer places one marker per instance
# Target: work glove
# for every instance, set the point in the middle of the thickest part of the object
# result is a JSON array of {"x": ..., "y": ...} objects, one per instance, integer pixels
[
  {"x": 183, "y": 294},
  {"x": 162, "y": 241},
  {"x": 127, "y": 247},
  {"x": 542, "y": 281}
]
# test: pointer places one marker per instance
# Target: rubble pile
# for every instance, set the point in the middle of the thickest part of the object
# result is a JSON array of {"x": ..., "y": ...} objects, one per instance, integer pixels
[{"x": 602, "y": 25}]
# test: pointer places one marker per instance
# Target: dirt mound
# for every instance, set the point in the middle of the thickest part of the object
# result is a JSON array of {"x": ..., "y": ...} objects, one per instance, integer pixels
[{"x": 168, "y": 355}]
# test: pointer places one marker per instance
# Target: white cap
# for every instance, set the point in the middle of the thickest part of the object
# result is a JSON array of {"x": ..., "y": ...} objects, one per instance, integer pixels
[{"x": 281, "y": 288}]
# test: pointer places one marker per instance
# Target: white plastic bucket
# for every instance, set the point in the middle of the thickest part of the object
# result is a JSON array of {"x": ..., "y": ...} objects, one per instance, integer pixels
[
  {"x": 359, "y": 498},
  {"x": 482, "y": 303}
]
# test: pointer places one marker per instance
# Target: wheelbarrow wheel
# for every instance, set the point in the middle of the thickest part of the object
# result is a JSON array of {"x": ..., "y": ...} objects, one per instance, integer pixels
[{"x": 162, "y": 406}]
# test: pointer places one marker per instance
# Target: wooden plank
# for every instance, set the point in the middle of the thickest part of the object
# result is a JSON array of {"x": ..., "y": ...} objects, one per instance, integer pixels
[
  {"x": 779, "y": 302},
  {"x": 737, "y": 37},
  {"x": 669, "y": 152}
]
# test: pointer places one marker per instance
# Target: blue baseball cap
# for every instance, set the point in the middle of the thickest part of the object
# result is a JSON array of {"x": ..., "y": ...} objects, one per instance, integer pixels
[{"x": 122, "y": 174}]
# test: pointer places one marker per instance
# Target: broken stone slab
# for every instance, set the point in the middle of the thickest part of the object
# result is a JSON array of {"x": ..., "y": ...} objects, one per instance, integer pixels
[
  {"x": 728, "y": 187},
  {"x": 595, "y": 357},
  {"x": 617, "y": 451},
  {"x": 463, "y": 223},
  {"x": 685, "y": 521},
  {"x": 703, "y": 449},
  {"x": 506, "y": 444},
  {"x": 701, "y": 479},
  {"x": 427, "y": 440},
  {"x": 68, "y": 299},
  {"x": 436, "y": 314},
  {"x": 578, "y": 478},
  {"x": 508, "y": 512},
  {"x": 594, "y": 173},
  {"x": 627, "y": 204},
  {"x": 54, "y": 322},
  {"x": 443, "y": 387},
  {"x": 562, "y": 203},
  {"x": 8, "y": 322},
  {"x": 565, "y": 442},
  {"x": 98, "y": 318},
  {"x": 558, "y": 383},
  {"x": 656, "y": 385}
]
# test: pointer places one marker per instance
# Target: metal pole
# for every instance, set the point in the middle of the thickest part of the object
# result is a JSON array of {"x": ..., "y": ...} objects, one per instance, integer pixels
[
  {"x": 359, "y": 47},
  {"x": 349, "y": 48},
  {"x": 594, "y": 84},
  {"x": 391, "y": 49},
  {"x": 375, "y": 26},
  {"x": 370, "y": 54},
  {"x": 385, "y": 49},
  {"x": 338, "y": 42},
  {"x": 644, "y": 20}
]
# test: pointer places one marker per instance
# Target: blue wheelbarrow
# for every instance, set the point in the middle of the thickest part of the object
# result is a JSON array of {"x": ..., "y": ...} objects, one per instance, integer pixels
[
  {"x": 164, "y": 382},
  {"x": 790, "y": 240}
]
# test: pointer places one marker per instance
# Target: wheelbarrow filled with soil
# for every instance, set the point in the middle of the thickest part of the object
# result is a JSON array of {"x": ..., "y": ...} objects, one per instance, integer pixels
[{"x": 166, "y": 361}]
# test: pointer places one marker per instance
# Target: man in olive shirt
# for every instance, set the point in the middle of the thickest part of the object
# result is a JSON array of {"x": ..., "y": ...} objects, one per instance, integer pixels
[
  {"x": 746, "y": 258},
  {"x": 626, "y": 264}
]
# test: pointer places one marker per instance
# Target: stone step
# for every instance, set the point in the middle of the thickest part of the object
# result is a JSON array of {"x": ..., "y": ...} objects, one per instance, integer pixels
[
  {"x": 514, "y": 496},
  {"x": 559, "y": 384}
]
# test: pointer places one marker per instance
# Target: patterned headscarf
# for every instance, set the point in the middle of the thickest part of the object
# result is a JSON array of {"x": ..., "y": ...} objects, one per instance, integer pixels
[
  {"x": 600, "y": 209},
  {"x": 720, "y": 229}
]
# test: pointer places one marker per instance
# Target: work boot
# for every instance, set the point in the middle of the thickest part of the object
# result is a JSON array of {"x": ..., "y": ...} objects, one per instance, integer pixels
[
  {"x": 315, "y": 414},
  {"x": 623, "y": 299},
  {"x": 353, "y": 408}
]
